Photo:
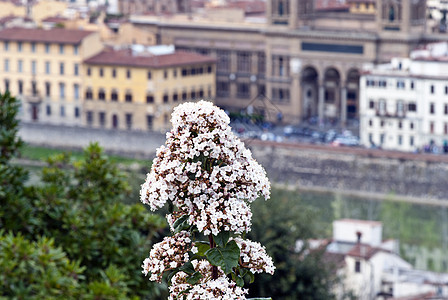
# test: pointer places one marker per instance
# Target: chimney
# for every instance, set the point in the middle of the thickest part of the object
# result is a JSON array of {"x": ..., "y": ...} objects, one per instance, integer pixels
[{"x": 358, "y": 237}]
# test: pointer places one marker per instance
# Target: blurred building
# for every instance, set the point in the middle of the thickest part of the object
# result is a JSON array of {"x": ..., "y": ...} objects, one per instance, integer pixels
[
  {"x": 404, "y": 104},
  {"x": 35, "y": 10},
  {"x": 304, "y": 56},
  {"x": 157, "y": 7},
  {"x": 137, "y": 89},
  {"x": 371, "y": 268},
  {"x": 44, "y": 69}
]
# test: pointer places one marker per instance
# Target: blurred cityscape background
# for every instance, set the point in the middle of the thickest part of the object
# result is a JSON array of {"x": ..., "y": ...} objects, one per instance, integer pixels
[{"x": 345, "y": 103}]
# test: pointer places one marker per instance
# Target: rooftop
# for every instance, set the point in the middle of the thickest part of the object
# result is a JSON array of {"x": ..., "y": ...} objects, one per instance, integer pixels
[
  {"x": 125, "y": 58},
  {"x": 56, "y": 35}
]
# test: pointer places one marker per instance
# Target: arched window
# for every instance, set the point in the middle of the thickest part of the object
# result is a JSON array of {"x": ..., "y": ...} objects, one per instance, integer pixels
[
  {"x": 114, "y": 121},
  {"x": 114, "y": 95},
  {"x": 391, "y": 13},
  {"x": 101, "y": 95},
  {"x": 89, "y": 94}
]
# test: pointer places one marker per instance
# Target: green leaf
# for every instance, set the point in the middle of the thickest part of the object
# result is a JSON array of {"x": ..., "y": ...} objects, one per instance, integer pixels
[
  {"x": 194, "y": 278},
  {"x": 222, "y": 238},
  {"x": 250, "y": 277},
  {"x": 181, "y": 224},
  {"x": 238, "y": 280},
  {"x": 187, "y": 268},
  {"x": 202, "y": 247},
  {"x": 226, "y": 258}
]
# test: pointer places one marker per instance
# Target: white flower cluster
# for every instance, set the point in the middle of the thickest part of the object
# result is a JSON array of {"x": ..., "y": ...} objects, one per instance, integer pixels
[
  {"x": 254, "y": 257},
  {"x": 206, "y": 171},
  {"x": 167, "y": 255},
  {"x": 207, "y": 288}
]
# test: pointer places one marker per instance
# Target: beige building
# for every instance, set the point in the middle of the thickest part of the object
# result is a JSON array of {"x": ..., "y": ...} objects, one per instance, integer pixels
[
  {"x": 44, "y": 69},
  {"x": 37, "y": 11},
  {"x": 304, "y": 61},
  {"x": 138, "y": 91}
]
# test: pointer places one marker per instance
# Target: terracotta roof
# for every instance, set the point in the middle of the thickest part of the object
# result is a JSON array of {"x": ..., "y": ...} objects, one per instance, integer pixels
[
  {"x": 363, "y": 251},
  {"x": 124, "y": 58},
  {"x": 56, "y": 35},
  {"x": 55, "y": 19}
]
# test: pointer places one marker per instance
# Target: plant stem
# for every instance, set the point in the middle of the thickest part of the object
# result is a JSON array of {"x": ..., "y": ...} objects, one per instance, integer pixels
[{"x": 214, "y": 268}]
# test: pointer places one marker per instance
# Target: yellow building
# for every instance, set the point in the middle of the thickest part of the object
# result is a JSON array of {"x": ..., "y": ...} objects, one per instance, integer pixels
[
  {"x": 362, "y": 6},
  {"x": 36, "y": 11},
  {"x": 125, "y": 91},
  {"x": 43, "y": 68}
]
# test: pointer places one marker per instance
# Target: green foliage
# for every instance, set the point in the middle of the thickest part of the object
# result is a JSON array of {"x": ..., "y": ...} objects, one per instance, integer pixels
[
  {"x": 37, "y": 270},
  {"x": 225, "y": 257},
  {"x": 278, "y": 224}
]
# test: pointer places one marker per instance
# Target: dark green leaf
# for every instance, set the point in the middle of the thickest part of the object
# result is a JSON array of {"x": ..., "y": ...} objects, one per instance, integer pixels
[
  {"x": 238, "y": 280},
  {"x": 181, "y": 224},
  {"x": 194, "y": 278},
  {"x": 202, "y": 247},
  {"x": 222, "y": 238},
  {"x": 227, "y": 258},
  {"x": 187, "y": 268}
]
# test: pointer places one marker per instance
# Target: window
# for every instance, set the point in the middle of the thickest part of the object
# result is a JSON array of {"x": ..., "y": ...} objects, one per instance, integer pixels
[
  {"x": 20, "y": 86},
  {"x": 61, "y": 68},
  {"x": 149, "y": 99},
  {"x": 400, "y": 140},
  {"x": 175, "y": 73},
  {"x": 412, "y": 85},
  {"x": 33, "y": 67},
  {"x": 114, "y": 96},
  {"x": 242, "y": 90},
  {"x": 114, "y": 121},
  {"x": 382, "y": 123},
  {"x": 48, "y": 109},
  {"x": 20, "y": 66},
  {"x": 446, "y": 89},
  {"x": 185, "y": 72},
  {"x": 432, "y": 89},
  {"x": 209, "y": 91},
  {"x": 381, "y": 138},
  {"x": 165, "y": 98},
  {"x": 431, "y": 127},
  {"x": 89, "y": 72},
  {"x": 411, "y": 141},
  {"x": 446, "y": 109},
  {"x": 400, "y": 108},
  {"x": 102, "y": 118},
  {"x": 411, "y": 125},
  {"x": 445, "y": 128},
  {"x": 209, "y": 69},
  {"x": 19, "y": 46},
  {"x": 357, "y": 266},
  {"x": 75, "y": 49},
  {"x": 128, "y": 74},
  {"x": 165, "y": 74},
  {"x": 47, "y": 48},
  {"x": 47, "y": 67},
  {"x": 412, "y": 106},
  {"x": 34, "y": 88},
  {"x": 89, "y": 118},
  {"x": 129, "y": 121},
  {"x": 370, "y": 123},
  {"x": 400, "y": 125},
  {"x": 61, "y": 90},
  {"x": 243, "y": 63},
  {"x": 62, "y": 112},
  {"x": 382, "y": 107},
  {"x": 76, "y": 91},
  {"x": 6, "y": 65},
  {"x": 184, "y": 95},
  {"x": 223, "y": 63},
  {"x": 400, "y": 84},
  {"x": 76, "y": 112},
  {"x": 114, "y": 73},
  {"x": 6, "y": 46},
  {"x": 201, "y": 93},
  {"x": 61, "y": 48},
  {"x": 76, "y": 70},
  {"x": 193, "y": 94},
  {"x": 371, "y": 104},
  {"x": 33, "y": 47},
  {"x": 149, "y": 75},
  {"x": 6, "y": 85},
  {"x": 261, "y": 63},
  {"x": 175, "y": 97},
  {"x": 431, "y": 108},
  {"x": 149, "y": 122},
  {"x": 222, "y": 88},
  {"x": 89, "y": 94},
  {"x": 101, "y": 95},
  {"x": 47, "y": 89},
  {"x": 101, "y": 72},
  {"x": 193, "y": 71},
  {"x": 128, "y": 97}
]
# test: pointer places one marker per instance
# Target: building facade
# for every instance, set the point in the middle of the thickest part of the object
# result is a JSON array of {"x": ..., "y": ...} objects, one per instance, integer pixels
[
  {"x": 302, "y": 59},
  {"x": 404, "y": 104},
  {"x": 43, "y": 68},
  {"x": 138, "y": 91}
]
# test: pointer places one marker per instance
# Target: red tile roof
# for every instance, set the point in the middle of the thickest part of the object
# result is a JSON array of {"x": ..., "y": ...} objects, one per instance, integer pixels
[
  {"x": 124, "y": 58},
  {"x": 363, "y": 251},
  {"x": 56, "y": 35}
]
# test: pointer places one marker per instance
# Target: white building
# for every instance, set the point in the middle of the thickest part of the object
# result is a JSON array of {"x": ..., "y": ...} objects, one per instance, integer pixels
[
  {"x": 371, "y": 268},
  {"x": 404, "y": 104}
]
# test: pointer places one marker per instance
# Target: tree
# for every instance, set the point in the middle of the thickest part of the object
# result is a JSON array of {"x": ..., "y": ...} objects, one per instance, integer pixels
[{"x": 300, "y": 274}]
